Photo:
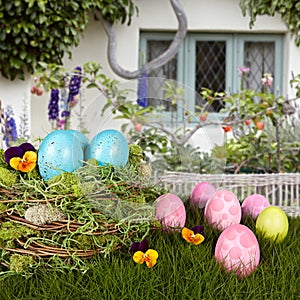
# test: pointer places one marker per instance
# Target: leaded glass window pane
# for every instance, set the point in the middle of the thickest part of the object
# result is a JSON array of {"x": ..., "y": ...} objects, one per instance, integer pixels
[
  {"x": 158, "y": 77},
  {"x": 210, "y": 69},
  {"x": 260, "y": 58}
]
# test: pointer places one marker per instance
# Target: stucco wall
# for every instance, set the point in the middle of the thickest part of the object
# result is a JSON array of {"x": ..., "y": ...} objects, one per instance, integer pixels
[{"x": 203, "y": 16}]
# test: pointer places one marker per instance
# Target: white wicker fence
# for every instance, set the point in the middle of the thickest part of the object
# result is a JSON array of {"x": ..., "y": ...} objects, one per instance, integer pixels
[{"x": 282, "y": 190}]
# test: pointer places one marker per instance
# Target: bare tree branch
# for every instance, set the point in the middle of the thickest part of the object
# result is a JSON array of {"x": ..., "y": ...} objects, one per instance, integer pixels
[{"x": 155, "y": 63}]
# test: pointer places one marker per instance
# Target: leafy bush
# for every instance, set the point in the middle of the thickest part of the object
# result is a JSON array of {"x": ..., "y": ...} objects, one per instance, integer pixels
[{"x": 44, "y": 30}]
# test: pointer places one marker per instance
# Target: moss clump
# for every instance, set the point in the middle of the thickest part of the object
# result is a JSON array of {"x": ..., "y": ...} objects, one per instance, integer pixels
[
  {"x": 88, "y": 242},
  {"x": 3, "y": 207},
  {"x": 10, "y": 231},
  {"x": 3, "y": 163},
  {"x": 64, "y": 184},
  {"x": 7, "y": 178},
  {"x": 92, "y": 162},
  {"x": 136, "y": 155},
  {"x": 20, "y": 263}
]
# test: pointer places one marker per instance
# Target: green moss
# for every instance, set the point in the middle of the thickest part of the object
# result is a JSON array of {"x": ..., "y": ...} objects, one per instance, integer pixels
[
  {"x": 10, "y": 231},
  {"x": 3, "y": 207},
  {"x": 2, "y": 159},
  {"x": 65, "y": 183},
  {"x": 92, "y": 161},
  {"x": 87, "y": 242},
  {"x": 20, "y": 263},
  {"x": 135, "y": 155},
  {"x": 138, "y": 199},
  {"x": 7, "y": 178}
]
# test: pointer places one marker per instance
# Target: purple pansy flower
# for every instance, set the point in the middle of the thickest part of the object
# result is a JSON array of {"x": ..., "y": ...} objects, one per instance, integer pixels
[
  {"x": 17, "y": 151},
  {"x": 198, "y": 229},
  {"x": 139, "y": 246}
]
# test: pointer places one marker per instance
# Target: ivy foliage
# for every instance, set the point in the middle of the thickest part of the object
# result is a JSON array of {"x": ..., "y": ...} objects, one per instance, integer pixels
[
  {"x": 44, "y": 30},
  {"x": 288, "y": 9}
]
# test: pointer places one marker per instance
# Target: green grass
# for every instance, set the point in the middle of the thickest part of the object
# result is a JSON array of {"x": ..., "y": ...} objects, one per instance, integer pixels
[{"x": 183, "y": 271}]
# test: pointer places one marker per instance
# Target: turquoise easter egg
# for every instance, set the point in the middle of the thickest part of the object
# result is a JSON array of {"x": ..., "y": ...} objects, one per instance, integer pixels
[
  {"x": 60, "y": 151},
  {"x": 81, "y": 138},
  {"x": 108, "y": 147}
]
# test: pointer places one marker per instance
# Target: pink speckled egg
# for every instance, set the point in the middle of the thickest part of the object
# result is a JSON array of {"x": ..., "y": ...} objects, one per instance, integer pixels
[
  {"x": 254, "y": 204},
  {"x": 170, "y": 211},
  {"x": 237, "y": 250},
  {"x": 201, "y": 193},
  {"x": 223, "y": 209}
]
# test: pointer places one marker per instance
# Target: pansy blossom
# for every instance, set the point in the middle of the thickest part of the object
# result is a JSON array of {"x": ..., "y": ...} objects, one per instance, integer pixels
[
  {"x": 194, "y": 235},
  {"x": 22, "y": 158},
  {"x": 141, "y": 253}
]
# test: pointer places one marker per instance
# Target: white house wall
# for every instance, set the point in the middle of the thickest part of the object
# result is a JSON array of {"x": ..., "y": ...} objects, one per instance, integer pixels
[{"x": 203, "y": 16}]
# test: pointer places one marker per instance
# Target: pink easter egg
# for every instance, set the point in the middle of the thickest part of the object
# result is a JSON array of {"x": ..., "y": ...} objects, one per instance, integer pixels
[
  {"x": 237, "y": 250},
  {"x": 170, "y": 211},
  {"x": 254, "y": 204},
  {"x": 223, "y": 210},
  {"x": 201, "y": 193}
]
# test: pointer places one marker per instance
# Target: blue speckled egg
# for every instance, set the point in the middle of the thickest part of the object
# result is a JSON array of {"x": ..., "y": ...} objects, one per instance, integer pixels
[
  {"x": 108, "y": 147},
  {"x": 81, "y": 137},
  {"x": 60, "y": 151}
]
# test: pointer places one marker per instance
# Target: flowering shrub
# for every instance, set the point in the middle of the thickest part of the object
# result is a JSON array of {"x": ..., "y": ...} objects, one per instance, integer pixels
[
  {"x": 256, "y": 119},
  {"x": 259, "y": 121}
]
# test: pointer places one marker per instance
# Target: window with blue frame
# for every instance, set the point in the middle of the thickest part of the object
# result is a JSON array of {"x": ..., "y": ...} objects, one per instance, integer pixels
[{"x": 211, "y": 61}]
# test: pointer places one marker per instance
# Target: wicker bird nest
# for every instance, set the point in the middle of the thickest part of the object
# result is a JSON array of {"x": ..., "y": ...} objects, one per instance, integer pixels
[
  {"x": 95, "y": 220},
  {"x": 42, "y": 250}
]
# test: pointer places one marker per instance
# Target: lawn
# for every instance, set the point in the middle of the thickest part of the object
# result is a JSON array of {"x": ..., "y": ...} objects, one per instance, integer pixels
[{"x": 183, "y": 271}]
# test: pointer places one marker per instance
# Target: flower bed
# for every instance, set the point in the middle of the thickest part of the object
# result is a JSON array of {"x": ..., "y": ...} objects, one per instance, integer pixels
[{"x": 282, "y": 189}]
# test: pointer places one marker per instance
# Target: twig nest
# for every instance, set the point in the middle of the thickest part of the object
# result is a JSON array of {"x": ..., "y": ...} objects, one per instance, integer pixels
[{"x": 42, "y": 214}]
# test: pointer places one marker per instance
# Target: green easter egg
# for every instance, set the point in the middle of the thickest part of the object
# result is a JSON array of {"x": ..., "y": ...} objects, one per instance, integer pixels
[{"x": 273, "y": 223}]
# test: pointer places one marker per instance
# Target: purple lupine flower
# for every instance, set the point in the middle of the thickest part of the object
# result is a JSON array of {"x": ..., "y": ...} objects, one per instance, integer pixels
[
  {"x": 65, "y": 114},
  {"x": 53, "y": 105},
  {"x": 10, "y": 128},
  {"x": 75, "y": 83},
  {"x": 142, "y": 91}
]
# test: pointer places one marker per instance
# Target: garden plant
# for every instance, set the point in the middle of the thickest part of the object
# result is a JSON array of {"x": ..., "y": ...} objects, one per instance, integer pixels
[{"x": 118, "y": 249}]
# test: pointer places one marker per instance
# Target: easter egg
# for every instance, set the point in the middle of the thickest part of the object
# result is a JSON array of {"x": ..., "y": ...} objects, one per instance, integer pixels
[
  {"x": 60, "y": 151},
  {"x": 201, "y": 193},
  {"x": 223, "y": 209},
  {"x": 108, "y": 147},
  {"x": 170, "y": 211},
  {"x": 254, "y": 204},
  {"x": 273, "y": 223},
  {"x": 83, "y": 140},
  {"x": 237, "y": 250}
]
